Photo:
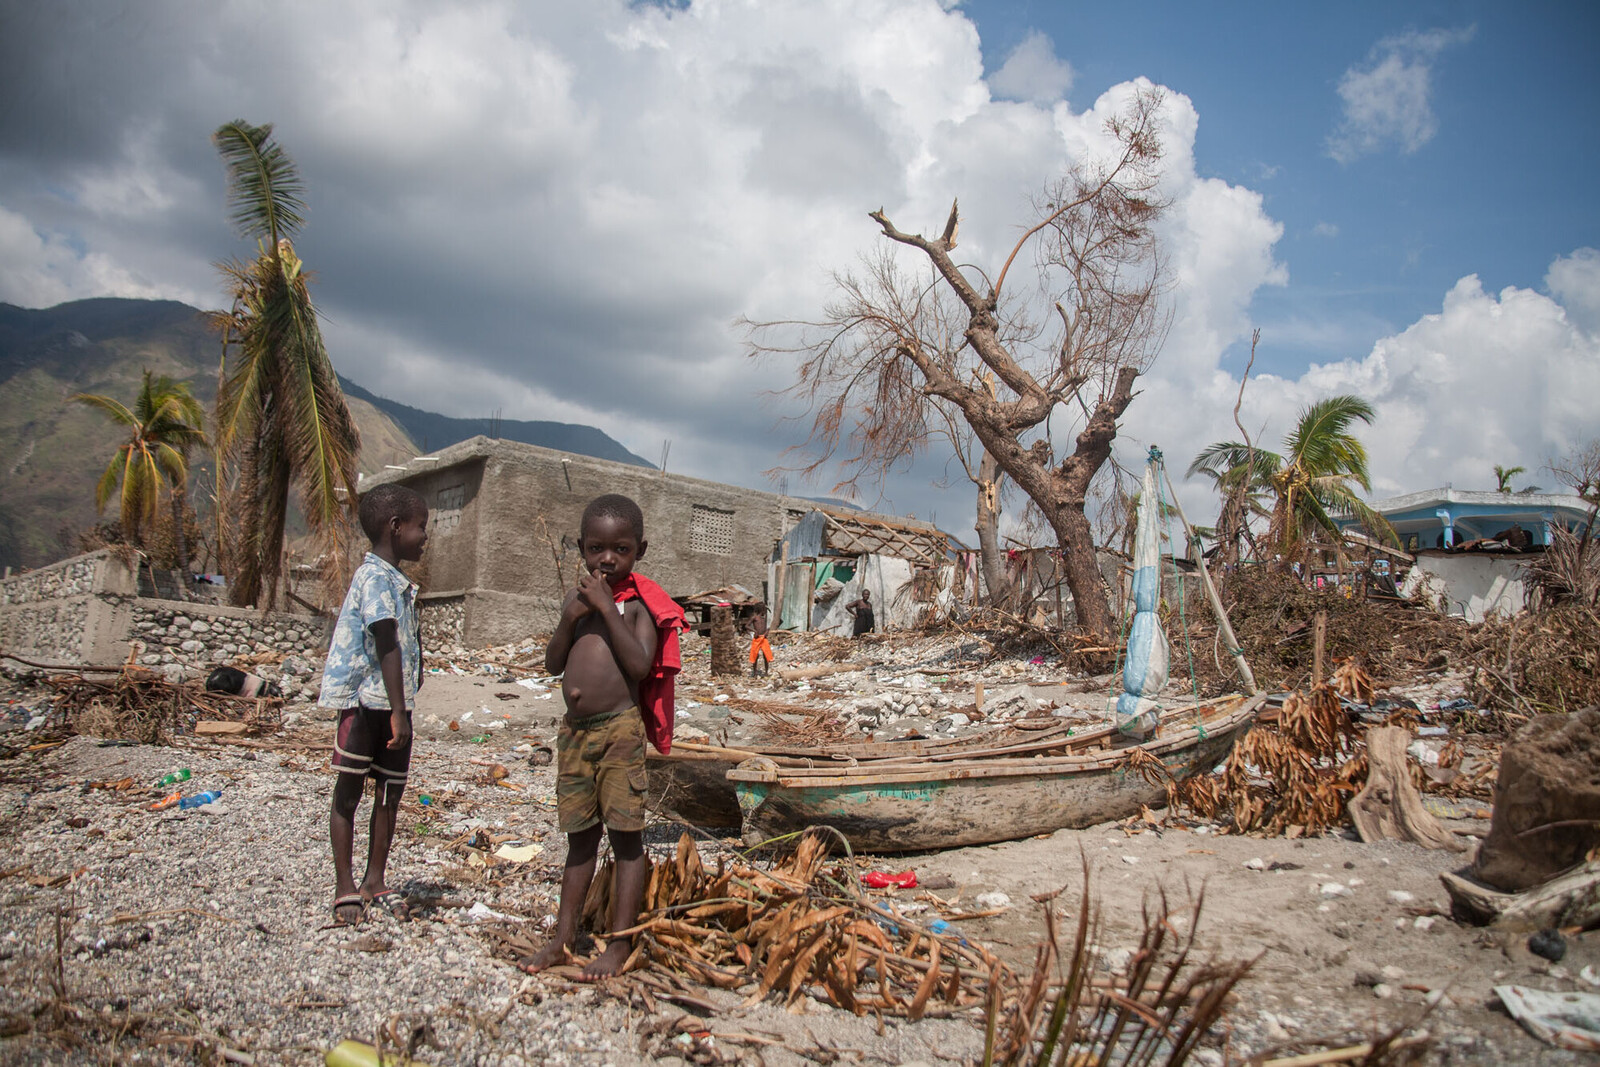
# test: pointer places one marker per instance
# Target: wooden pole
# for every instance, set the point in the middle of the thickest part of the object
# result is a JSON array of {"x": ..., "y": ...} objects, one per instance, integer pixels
[
  {"x": 1245, "y": 674},
  {"x": 1319, "y": 639}
]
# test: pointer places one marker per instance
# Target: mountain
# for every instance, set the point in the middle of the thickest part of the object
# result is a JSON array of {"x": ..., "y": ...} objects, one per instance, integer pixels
[
  {"x": 52, "y": 451},
  {"x": 433, "y": 432}
]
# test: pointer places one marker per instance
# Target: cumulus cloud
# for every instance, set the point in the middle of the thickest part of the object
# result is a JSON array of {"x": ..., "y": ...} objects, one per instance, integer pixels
[
  {"x": 1032, "y": 72},
  {"x": 1491, "y": 378},
  {"x": 1389, "y": 99},
  {"x": 42, "y": 269},
  {"x": 558, "y": 210}
]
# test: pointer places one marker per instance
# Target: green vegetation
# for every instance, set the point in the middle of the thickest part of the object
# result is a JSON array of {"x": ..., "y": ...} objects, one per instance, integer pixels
[{"x": 165, "y": 422}]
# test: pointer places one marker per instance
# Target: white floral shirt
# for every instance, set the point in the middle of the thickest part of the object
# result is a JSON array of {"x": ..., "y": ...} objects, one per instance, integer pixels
[{"x": 378, "y": 591}]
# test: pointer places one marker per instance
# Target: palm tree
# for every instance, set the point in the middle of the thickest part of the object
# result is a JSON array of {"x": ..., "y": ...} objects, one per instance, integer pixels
[
  {"x": 280, "y": 413},
  {"x": 1314, "y": 478},
  {"x": 1242, "y": 476},
  {"x": 165, "y": 422},
  {"x": 1503, "y": 476}
]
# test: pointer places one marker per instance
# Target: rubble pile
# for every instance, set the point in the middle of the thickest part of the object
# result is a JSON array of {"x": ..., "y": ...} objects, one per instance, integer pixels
[{"x": 1272, "y": 615}]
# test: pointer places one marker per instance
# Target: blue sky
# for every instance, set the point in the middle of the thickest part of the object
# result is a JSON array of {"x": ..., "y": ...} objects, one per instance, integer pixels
[
  {"x": 1516, "y": 104},
  {"x": 560, "y": 211}
]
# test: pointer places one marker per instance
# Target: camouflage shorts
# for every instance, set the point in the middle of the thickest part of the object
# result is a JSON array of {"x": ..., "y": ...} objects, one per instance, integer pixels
[{"x": 600, "y": 772}]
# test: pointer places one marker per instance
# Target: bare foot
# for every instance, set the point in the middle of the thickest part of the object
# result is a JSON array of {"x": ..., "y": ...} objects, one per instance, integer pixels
[
  {"x": 609, "y": 962},
  {"x": 553, "y": 954}
]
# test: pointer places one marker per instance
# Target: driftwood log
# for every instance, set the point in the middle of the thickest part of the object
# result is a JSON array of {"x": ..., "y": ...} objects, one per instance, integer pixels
[
  {"x": 801, "y": 674},
  {"x": 1570, "y": 899},
  {"x": 1390, "y": 806}
]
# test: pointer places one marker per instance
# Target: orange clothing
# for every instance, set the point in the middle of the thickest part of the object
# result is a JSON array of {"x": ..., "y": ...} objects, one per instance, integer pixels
[{"x": 760, "y": 644}]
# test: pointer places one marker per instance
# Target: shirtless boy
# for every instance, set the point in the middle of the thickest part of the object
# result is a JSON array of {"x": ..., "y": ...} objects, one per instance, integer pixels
[
  {"x": 604, "y": 649},
  {"x": 760, "y": 646}
]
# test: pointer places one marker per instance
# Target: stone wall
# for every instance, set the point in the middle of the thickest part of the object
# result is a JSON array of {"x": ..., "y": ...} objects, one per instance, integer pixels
[
  {"x": 442, "y": 618},
  {"x": 190, "y": 635},
  {"x": 47, "y": 632},
  {"x": 71, "y": 577},
  {"x": 83, "y": 612}
]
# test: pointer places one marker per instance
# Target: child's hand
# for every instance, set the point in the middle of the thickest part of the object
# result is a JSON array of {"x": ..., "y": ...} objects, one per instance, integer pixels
[
  {"x": 575, "y": 608},
  {"x": 595, "y": 591},
  {"x": 400, "y": 727}
]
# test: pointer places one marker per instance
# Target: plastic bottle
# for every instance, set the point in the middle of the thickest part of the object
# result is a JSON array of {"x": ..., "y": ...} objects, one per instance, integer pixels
[
  {"x": 180, "y": 775},
  {"x": 361, "y": 1054},
  {"x": 167, "y": 801},
  {"x": 200, "y": 798}
]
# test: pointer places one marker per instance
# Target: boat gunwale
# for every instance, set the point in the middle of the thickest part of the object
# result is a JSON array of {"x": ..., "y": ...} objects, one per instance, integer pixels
[{"x": 911, "y": 773}]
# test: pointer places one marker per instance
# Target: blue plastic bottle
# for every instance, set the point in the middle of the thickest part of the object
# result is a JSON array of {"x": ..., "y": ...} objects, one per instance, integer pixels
[{"x": 200, "y": 798}]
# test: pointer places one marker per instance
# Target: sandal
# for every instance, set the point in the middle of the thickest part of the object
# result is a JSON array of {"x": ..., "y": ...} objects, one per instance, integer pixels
[
  {"x": 393, "y": 902},
  {"x": 349, "y": 900}
]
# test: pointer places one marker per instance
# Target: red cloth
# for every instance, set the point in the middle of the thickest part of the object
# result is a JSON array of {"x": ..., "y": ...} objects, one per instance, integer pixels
[{"x": 656, "y": 688}]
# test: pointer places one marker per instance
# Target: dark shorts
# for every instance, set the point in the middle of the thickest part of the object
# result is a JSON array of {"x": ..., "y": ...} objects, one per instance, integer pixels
[
  {"x": 360, "y": 747},
  {"x": 600, "y": 776}
]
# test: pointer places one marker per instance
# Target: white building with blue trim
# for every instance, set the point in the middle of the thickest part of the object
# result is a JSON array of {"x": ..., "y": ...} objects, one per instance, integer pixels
[{"x": 1449, "y": 517}]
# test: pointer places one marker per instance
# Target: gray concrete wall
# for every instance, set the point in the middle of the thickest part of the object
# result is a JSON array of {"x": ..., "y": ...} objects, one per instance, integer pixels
[{"x": 513, "y": 548}]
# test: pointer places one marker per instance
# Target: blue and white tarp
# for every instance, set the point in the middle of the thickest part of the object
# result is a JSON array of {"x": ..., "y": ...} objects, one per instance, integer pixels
[{"x": 1145, "y": 672}]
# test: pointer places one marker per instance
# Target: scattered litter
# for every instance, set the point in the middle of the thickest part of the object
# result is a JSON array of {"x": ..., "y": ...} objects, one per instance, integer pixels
[
  {"x": 1565, "y": 1020},
  {"x": 995, "y": 899},
  {"x": 1400, "y": 896},
  {"x": 881, "y": 880},
  {"x": 518, "y": 853},
  {"x": 1548, "y": 944},
  {"x": 481, "y": 912},
  {"x": 1330, "y": 890}
]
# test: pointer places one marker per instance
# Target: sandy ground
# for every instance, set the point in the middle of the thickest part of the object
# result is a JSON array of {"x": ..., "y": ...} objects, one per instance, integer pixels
[{"x": 213, "y": 921}]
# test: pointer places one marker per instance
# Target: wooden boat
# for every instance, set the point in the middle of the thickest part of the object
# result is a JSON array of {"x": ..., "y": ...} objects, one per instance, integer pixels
[
  {"x": 980, "y": 797},
  {"x": 999, "y": 787},
  {"x": 691, "y": 782}
]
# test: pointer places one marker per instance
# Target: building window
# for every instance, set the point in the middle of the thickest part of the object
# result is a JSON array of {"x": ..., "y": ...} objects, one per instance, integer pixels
[
  {"x": 446, "y": 513},
  {"x": 711, "y": 530}
]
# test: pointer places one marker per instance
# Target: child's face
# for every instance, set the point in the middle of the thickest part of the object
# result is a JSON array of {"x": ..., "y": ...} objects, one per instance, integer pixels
[
  {"x": 610, "y": 547},
  {"x": 410, "y": 535}
]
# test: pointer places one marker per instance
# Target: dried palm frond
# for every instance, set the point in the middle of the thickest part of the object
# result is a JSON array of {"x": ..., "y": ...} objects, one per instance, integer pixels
[
  {"x": 1296, "y": 775},
  {"x": 1158, "y": 1013}
]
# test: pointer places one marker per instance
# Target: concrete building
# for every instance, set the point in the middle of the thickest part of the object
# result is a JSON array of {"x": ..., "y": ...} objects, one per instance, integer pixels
[
  {"x": 1444, "y": 518},
  {"x": 503, "y": 533}
]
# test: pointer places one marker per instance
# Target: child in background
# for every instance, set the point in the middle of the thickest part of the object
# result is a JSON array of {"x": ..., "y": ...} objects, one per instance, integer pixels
[
  {"x": 372, "y": 675},
  {"x": 759, "y": 645},
  {"x": 616, "y": 646}
]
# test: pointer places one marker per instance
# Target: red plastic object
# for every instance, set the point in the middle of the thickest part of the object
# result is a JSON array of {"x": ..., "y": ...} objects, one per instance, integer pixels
[
  {"x": 167, "y": 801},
  {"x": 882, "y": 880}
]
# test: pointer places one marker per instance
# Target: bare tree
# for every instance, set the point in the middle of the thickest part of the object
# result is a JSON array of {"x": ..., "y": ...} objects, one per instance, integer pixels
[{"x": 901, "y": 359}]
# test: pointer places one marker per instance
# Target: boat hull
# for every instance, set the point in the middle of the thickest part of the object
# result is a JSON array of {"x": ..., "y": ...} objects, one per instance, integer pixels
[
  {"x": 693, "y": 786},
  {"x": 979, "y": 801}
]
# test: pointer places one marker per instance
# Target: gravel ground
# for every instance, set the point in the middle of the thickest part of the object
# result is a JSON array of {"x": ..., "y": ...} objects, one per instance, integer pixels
[
  {"x": 186, "y": 933},
  {"x": 212, "y": 924}
]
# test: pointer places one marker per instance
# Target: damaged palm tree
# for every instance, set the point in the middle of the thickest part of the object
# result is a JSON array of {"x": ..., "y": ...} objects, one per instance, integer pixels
[
  {"x": 905, "y": 357},
  {"x": 281, "y": 417}
]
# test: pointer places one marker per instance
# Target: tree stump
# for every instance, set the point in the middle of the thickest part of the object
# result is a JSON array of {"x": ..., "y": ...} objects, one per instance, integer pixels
[
  {"x": 724, "y": 641},
  {"x": 1390, "y": 806}
]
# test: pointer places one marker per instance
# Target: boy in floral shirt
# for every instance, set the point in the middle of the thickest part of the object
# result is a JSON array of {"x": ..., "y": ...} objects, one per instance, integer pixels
[{"x": 371, "y": 678}]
